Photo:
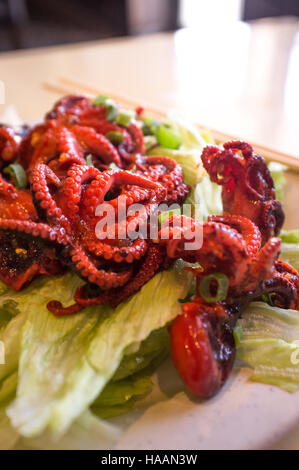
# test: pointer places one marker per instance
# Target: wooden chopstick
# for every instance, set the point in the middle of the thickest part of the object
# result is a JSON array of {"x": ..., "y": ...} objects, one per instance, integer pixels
[{"x": 65, "y": 85}]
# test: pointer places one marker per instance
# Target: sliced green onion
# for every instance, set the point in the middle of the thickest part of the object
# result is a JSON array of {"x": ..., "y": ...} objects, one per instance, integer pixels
[
  {"x": 17, "y": 173},
  {"x": 124, "y": 117},
  {"x": 167, "y": 137},
  {"x": 165, "y": 215},
  {"x": 100, "y": 100},
  {"x": 89, "y": 160},
  {"x": 222, "y": 287},
  {"x": 150, "y": 126},
  {"x": 238, "y": 335},
  {"x": 111, "y": 111},
  {"x": 115, "y": 137},
  {"x": 109, "y": 104}
]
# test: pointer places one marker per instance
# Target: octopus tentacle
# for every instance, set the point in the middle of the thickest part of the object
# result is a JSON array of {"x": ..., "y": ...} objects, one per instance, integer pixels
[
  {"x": 119, "y": 254},
  {"x": 244, "y": 147},
  {"x": 130, "y": 147},
  {"x": 247, "y": 185},
  {"x": 98, "y": 189},
  {"x": 97, "y": 144},
  {"x": 45, "y": 205},
  {"x": 85, "y": 267},
  {"x": 285, "y": 282},
  {"x": 283, "y": 293},
  {"x": 272, "y": 218},
  {"x": 245, "y": 227},
  {"x": 56, "y": 307},
  {"x": 81, "y": 297},
  {"x": 69, "y": 149},
  {"x": 44, "y": 150},
  {"x": 168, "y": 172},
  {"x": 36, "y": 229},
  {"x": 223, "y": 248},
  {"x": 264, "y": 263},
  {"x": 69, "y": 195},
  {"x": 154, "y": 259}
]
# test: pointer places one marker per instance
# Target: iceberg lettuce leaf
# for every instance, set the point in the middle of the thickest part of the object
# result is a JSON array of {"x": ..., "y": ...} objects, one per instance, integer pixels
[
  {"x": 269, "y": 344},
  {"x": 86, "y": 433},
  {"x": 66, "y": 362}
]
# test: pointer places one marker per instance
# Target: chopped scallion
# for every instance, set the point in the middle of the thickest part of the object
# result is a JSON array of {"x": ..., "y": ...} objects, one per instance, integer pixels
[
  {"x": 167, "y": 137},
  {"x": 124, "y": 117},
  {"x": 17, "y": 173},
  {"x": 221, "y": 289},
  {"x": 115, "y": 137}
]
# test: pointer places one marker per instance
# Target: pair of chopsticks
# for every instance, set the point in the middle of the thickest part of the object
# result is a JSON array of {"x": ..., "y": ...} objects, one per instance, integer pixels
[{"x": 65, "y": 85}]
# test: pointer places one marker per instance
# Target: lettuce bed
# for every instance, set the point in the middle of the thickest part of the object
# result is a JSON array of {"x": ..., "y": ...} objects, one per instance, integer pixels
[{"x": 63, "y": 376}]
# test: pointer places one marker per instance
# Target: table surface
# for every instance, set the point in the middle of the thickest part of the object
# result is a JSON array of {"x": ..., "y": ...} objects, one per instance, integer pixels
[{"x": 239, "y": 78}]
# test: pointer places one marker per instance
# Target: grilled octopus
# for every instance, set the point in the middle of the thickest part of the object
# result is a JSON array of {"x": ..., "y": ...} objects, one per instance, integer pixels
[{"x": 72, "y": 166}]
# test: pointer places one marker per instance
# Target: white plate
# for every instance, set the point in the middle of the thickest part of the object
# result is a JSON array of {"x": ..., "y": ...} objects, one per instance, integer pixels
[{"x": 244, "y": 415}]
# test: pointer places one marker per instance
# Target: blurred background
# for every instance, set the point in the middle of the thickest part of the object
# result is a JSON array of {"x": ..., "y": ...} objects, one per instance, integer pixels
[
  {"x": 34, "y": 23},
  {"x": 231, "y": 65}
]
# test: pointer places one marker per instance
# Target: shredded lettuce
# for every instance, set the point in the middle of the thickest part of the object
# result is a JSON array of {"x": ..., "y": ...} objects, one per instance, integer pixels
[
  {"x": 268, "y": 345},
  {"x": 150, "y": 349},
  {"x": 289, "y": 236},
  {"x": 133, "y": 376},
  {"x": 119, "y": 397},
  {"x": 66, "y": 362},
  {"x": 270, "y": 335},
  {"x": 290, "y": 253},
  {"x": 278, "y": 174}
]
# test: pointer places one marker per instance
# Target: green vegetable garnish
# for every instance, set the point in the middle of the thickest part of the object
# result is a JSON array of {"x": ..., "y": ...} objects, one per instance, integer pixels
[
  {"x": 115, "y": 137},
  {"x": 124, "y": 117},
  {"x": 112, "y": 111},
  {"x": 109, "y": 104},
  {"x": 89, "y": 160},
  {"x": 167, "y": 137},
  {"x": 100, "y": 100},
  {"x": 149, "y": 126},
  {"x": 222, "y": 287},
  {"x": 18, "y": 175},
  {"x": 165, "y": 215}
]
